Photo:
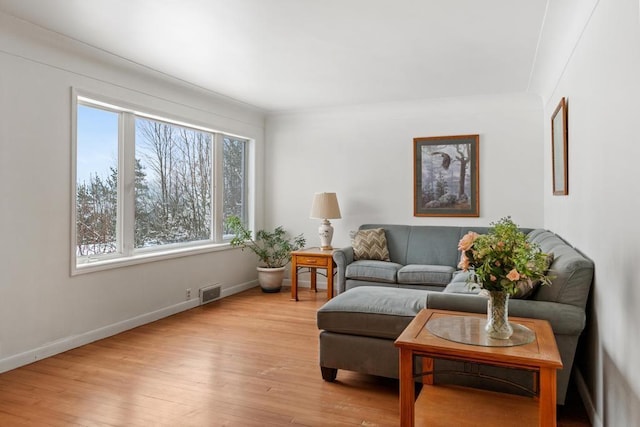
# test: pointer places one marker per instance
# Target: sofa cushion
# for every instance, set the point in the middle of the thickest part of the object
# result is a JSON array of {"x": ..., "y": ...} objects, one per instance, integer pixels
[
  {"x": 433, "y": 245},
  {"x": 425, "y": 274},
  {"x": 370, "y": 244},
  {"x": 459, "y": 285},
  {"x": 377, "y": 271},
  {"x": 371, "y": 311},
  {"x": 397, "y": 239},
  {"x": 572, "y": 272}
]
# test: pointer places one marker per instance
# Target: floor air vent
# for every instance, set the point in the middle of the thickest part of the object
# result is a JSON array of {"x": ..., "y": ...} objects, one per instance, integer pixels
[{"x": 210, "y": 293}]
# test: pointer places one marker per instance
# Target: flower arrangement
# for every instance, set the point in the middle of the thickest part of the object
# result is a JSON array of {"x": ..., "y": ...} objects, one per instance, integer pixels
[{"x": 503, "y": 259}]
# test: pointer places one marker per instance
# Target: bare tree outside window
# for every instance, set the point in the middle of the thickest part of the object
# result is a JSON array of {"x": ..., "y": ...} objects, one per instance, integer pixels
[
  {"x": 173, "y": 183},
  {"x": 96, "y": 182},
  {"x": 234, "y": 171},
  {"x": 177, "y": 184}
]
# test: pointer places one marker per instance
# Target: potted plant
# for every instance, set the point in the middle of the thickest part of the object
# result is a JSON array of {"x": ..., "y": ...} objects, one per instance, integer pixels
[{"x": 272, "y": 247}]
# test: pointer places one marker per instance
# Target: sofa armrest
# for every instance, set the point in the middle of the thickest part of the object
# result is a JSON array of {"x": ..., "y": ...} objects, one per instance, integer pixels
[
  {"x": 342, "y": 257},
  {"x": 565, "y": 319}
]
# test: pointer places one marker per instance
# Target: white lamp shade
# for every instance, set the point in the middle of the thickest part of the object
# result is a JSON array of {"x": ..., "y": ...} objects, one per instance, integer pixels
[{"x": 325, "y": 206}]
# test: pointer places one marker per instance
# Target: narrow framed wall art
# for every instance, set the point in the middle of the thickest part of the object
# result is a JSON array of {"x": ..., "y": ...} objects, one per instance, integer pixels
[
  {"x": 560, "y": 149},
  {"x": 446, "y": 176}
]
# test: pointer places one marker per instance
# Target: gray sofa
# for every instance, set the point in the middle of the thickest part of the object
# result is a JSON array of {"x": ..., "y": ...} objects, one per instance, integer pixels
[{"x": 376, "y": 300}]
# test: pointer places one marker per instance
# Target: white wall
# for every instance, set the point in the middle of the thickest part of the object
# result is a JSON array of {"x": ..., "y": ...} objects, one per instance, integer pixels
[
  {"x": 43, "y": 309},
  {"x": 600, "y": 77},
  {"x": 589, "y": 53},
  {"x": 365, "y": 154}
]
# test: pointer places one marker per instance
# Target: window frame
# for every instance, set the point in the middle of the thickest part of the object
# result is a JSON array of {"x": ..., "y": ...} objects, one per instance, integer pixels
[{"x": 126, "y": 254}]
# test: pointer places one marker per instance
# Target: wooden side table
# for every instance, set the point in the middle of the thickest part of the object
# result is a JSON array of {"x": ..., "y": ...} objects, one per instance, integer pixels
[
  {"x": 312, "y": 258},
  {"x": 540, "y": 356}
]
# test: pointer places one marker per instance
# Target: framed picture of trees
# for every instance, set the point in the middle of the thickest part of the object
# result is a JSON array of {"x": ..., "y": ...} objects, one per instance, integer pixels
[{"x": 446, "y": 176}]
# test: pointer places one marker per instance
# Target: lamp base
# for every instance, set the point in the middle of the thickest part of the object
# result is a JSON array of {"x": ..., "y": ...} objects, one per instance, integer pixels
[{"x": 325, "y": 232}]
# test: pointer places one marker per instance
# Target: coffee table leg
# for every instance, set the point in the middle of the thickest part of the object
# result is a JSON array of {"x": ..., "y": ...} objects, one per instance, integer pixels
[
  {"x": 427, "y": 366},
  {"x": 547, "y": 410},
  {"x": 407, "y": 389}
]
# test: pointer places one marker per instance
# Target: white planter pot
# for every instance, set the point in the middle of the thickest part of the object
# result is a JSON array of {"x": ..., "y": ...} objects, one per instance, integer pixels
[{"x": 270, "y": 279}]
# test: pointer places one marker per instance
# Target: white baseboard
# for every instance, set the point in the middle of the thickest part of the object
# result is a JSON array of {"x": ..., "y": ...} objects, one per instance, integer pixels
[
  {"x": 306, "y": 284},
  {"x": 71, "y": 342},
  {"x": 238, "y": 288},
  {"x": 592, "y": 413}
]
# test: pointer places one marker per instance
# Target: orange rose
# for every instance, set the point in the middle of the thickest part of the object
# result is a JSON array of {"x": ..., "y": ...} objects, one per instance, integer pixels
[
  {"x": 464, "y": 262},
  {"x": 513, "y": 275},
  {"x": 467, "y": 241}
]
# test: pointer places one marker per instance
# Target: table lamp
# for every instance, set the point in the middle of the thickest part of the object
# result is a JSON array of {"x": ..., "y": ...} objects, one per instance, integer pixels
[{"x": 325, "y": 207}]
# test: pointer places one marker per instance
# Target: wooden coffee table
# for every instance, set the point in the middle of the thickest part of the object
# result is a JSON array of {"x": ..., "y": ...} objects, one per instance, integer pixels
[{"x": 540, "y": 356}]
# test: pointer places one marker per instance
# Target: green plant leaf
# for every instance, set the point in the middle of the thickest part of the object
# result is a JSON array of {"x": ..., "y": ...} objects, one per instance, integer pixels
[{"x": 273, "y": 248}]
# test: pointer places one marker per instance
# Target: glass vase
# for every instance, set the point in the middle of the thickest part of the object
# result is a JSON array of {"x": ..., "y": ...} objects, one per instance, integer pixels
[{"x": 498, "y": 326}]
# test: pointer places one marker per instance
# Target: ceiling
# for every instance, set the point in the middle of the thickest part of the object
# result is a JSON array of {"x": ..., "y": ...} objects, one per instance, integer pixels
[{"x": 298, "y": 54}]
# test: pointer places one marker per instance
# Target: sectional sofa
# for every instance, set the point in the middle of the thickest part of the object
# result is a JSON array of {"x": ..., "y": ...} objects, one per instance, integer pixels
[{"x": 377, "y": 299}]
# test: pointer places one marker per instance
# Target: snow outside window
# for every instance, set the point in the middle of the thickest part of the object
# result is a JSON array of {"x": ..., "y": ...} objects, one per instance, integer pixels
[{"x": 146, "y": 186}]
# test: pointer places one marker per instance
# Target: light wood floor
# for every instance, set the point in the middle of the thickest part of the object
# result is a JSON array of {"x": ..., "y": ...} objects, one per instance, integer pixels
[{"x": 247, "y": 360}]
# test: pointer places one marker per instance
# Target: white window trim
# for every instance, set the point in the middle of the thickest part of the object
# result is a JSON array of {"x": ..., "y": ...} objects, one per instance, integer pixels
[{"x": 126, "y": 254}]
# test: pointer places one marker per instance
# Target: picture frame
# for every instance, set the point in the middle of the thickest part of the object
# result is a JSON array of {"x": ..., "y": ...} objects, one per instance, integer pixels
[
  {"x": 560, "y": 149},
  {"x": 446, "y": 176}
]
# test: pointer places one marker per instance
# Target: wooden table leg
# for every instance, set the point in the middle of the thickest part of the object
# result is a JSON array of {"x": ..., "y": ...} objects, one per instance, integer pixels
[
  {"x": 427, "y": 366},
  {"x": 294, "y": 279},
  {"x": 547, "y": 397},
  {"x": 330, "y": 280},
  {"x": 407, "y": 389},
  {"x": 313, "y": 279}
]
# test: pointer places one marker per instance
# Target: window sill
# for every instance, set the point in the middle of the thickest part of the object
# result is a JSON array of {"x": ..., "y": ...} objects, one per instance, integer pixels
[{"x": 146, "y": 257}]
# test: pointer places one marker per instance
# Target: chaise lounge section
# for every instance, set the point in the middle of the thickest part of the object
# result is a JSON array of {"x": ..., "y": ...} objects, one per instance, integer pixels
[{"x": 376, "y": 301}]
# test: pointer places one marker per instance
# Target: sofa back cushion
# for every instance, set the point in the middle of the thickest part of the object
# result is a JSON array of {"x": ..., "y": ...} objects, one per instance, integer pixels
[
  {"x": 433, "y": 245},
  {"x": 572, "y": 271},
  {"x": 397, "y": 238},
  {"x": 424, "y": 244}
]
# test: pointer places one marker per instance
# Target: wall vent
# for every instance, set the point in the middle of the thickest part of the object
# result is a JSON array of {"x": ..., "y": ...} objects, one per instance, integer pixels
[{"x": 210, "y": 293}]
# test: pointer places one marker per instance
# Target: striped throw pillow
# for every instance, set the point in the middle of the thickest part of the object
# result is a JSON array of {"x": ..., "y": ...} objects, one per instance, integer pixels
[{"x": 370, "y": 244}]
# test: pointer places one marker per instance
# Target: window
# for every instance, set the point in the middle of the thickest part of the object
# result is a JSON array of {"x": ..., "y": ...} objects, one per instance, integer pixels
[
  {"x": 234, "y": 176},
  {"x": 173, "y": 184},
  {"x": 96, "y": 181},
  {"x": 147, "y": 185}
]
